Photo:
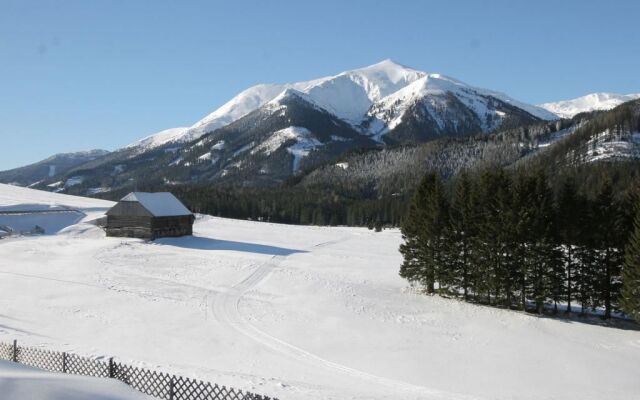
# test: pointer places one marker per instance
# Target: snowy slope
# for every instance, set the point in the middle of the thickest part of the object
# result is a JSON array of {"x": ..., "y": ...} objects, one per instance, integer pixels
[
  {"x": 51, "y": 211},
  {"x": 303, "y": 143},
  {"x": 590, "y": 102},
  {"x": 295, "y": 312},
  {"x": 48, "y": 168},
  {"x": 611, "y": 145},
  {"x": 16, "y": 196},
  {"x": 434, "y": 94},
  {"x": 160, "y": 138},
  {"x": 20, "y": 382},
  {"x": 239, "y": 106},
  {"x": 348, "y": 95}
]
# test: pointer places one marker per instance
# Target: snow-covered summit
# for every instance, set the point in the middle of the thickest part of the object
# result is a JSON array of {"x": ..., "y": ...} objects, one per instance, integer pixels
[
  {"x": 590, "y": 102},
  {"x": 348, "y": 95}
]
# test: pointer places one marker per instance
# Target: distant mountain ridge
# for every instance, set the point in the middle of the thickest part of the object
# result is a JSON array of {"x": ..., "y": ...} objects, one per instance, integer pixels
[
  {"x": 588, "y": 103},
  {"x": 272, "y": 133},
  {"x": 49, "y": 167}
]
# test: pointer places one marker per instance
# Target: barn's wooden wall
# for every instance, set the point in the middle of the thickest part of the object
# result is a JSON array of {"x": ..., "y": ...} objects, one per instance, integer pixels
[
  {"x": 172, "y": 226},
  {"x": 129, "y": 226},
  {"x": 130, "y": 219}
]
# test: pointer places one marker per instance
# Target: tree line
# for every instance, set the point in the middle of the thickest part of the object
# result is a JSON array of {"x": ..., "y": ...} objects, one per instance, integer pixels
[
  {"x": 293, "y": 205},
  {"x": 512, "y": 239}
]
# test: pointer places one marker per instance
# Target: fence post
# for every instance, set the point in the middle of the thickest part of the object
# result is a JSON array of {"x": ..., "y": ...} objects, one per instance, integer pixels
[
  {"x": 172, "y": 388},
  {"x": 64, "y": 362},
  {"x": 111, "y": 372},
  {"x": 15, "y": 350}
]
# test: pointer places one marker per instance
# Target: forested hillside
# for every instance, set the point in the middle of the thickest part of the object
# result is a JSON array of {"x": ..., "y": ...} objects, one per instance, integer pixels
[{"x": 372, "y": 187}]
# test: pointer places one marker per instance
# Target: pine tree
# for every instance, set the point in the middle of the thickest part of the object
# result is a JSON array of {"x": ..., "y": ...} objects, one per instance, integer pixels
[
  {"x": 630, "y": 294},
  {"x": 492, "y": 246},
  {"x": 568, "y": 216},
  {"x": 436, "y": 213},
  {"x": 462, "y": 226},
  {"x": 524, "y": 207},
  {"x": 543, "y": 250},
  {"x": 607, "y": 220},
  {"x": 411, "y": 249},
  {"x": 423, "y": 231}
]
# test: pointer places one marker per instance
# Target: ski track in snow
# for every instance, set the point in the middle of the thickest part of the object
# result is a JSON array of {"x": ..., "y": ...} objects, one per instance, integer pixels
[{"x": 225, "y": 308}]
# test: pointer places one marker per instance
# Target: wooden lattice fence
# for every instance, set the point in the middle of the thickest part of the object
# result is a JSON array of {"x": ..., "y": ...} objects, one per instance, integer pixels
[{"x": 153, "y": 383}]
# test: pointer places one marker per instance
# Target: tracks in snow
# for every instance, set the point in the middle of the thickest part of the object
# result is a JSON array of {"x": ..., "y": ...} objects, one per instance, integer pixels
[{"x": 225, "y": 308}]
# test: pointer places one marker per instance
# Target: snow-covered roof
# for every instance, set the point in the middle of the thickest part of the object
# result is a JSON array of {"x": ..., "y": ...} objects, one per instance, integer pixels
[{"x": 161, "y": 204}]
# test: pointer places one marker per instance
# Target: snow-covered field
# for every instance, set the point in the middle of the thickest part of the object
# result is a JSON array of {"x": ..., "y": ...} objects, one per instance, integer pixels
[
  {"x": 20, "y": 382},
  {"x": 293, "y": 312}
]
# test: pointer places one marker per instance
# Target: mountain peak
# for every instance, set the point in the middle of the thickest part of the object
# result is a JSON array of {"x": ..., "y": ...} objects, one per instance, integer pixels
[
  {"x": 348, "y": 95},
  {"x": 387, "y": 63},
  {"x": 587, "y": 103},
  {"x": 388, "y": 69}
]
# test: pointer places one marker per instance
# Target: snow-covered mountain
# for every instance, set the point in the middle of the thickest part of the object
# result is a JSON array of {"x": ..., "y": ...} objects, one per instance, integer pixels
[
  {"x": 269, "y": 132},
  {"x": 354, "y": 96},
  {"x": 283, "y": 136},
  {"x": 160, "y": 138},
  {"x": 590, "y": 102},
  {"x": 49, "y": 168},
  {"x": 438, "y": 105}
]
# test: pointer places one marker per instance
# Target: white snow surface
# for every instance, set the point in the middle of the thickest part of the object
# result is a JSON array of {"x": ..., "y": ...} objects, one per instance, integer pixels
[
  {"x": 304, "y": 143},
  {"x": 278, "y": 138},
  {"x": 74, "y": 180},
  {"x": 21, "y": 382},
  {"x": 590, "y": 102},
  {"x": 218, "y": 146},
  {"x": 160, "y": 204},
  {"x": 347, "y": 95},
  {"x": 159, "y": 138},
  {"x": 52, "y": 211},
  {"x": 51, "y": 222},
  {"x": 293, "y": 312},
  {"x": 17, "y": 197}
]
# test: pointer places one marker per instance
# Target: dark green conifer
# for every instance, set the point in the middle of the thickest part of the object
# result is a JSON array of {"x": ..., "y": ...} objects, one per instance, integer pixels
[{"x": 630, "y": 294}]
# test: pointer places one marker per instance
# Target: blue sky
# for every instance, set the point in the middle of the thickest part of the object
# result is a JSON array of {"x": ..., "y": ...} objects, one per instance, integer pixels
[{"x": 78, "y": 75}]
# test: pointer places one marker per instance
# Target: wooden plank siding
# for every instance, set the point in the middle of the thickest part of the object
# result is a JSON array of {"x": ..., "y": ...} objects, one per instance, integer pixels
[
  {"x": 130, "y": 219},
  {"x": 149, "y": 227}
]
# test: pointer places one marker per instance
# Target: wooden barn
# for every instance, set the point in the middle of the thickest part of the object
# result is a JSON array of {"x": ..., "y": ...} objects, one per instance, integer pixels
[{"x": 149, "y": 216}]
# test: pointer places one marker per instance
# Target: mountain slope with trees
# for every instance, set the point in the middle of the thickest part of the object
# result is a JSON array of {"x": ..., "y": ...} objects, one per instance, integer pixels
[
  {"x": 270, "y": 133},
  {"x": 49, "y": 168}
]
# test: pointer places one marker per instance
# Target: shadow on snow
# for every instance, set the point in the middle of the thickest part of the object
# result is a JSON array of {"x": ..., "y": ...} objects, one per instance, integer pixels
[{"x": 204, "y": 243}]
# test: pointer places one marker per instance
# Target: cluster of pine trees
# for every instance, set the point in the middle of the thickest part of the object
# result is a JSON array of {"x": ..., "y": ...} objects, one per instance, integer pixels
[{"x": 509, "y": 239}]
